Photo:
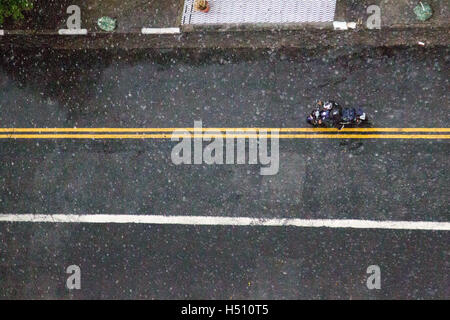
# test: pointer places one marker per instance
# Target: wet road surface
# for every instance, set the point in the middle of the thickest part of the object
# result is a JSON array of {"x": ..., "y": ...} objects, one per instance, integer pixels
[{"x": 375, "y": 179}]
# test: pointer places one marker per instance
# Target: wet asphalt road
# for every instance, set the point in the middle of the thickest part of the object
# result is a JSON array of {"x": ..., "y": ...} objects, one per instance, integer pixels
[{"x": 366, "y": 179}]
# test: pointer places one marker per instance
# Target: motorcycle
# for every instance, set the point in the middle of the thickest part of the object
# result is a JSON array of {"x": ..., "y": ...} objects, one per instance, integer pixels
[{"x": 338, "y": 118}]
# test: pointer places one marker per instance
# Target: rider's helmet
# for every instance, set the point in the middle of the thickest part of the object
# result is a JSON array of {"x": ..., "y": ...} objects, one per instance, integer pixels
[{"x": 328, "y": 105}]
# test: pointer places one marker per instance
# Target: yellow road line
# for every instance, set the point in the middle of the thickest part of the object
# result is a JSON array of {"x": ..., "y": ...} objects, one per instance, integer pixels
[
  {"x": 37, "y": 130},
  {"x": 168, "y": 136}
]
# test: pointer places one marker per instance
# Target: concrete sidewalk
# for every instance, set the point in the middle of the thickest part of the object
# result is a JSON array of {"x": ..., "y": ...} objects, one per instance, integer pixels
[
  {"x": 399, "y": 27},
  {"x": 393, "y": 12}
]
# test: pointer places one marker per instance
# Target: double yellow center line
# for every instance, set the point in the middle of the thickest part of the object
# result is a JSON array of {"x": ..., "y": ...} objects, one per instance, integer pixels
[{"x": 167, "y": 133}]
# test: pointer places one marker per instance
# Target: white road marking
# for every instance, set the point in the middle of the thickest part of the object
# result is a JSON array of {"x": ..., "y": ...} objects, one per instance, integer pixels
[
  {"x": 226, "y": 221},
  {"x": 160, "y": 30},
  {"x": 72, "y": 31},
  {"x": 340, "y": 25}
]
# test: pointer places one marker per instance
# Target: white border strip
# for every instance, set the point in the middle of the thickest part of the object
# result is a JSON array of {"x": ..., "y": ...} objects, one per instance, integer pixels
[
  {"x": 226, "y": 221},
  {"x": 342, "y": 25},
  {"x": 70, "y": 32},
  {"x": 160, "y": 30}
]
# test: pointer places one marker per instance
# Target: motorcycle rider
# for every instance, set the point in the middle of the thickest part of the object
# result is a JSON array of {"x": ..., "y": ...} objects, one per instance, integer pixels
[
  {"x": 330, "y": 113},
  {"x": 325, "y": 116}
]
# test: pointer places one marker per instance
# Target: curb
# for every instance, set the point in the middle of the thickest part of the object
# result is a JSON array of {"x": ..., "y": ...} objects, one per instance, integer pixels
[
  {"x": 256, "y": 27},
  {"x": 309, "y": 35}
]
